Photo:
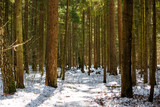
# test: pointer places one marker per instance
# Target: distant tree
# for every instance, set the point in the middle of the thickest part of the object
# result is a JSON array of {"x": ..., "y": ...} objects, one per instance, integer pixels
[
  {"x": 90, "y": 48},
  {"x": 26, "y": 56},
  {"x": 34, "y": 34},
  {"x": 105, "y": 40},
  {"x": 83, "y": 38},
  {"x": 65, "y": 42},
  {"x": 153, "y": 54},
  {"x": 42, "y": 37},
  {"x": 146, "y": 35},
  {"x": 133, "y": 56},
  {"x": 120, "y": 31}
]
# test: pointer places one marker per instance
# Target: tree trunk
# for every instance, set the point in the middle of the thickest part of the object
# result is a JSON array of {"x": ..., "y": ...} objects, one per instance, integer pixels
[
  {"x": 95, "y": 42},
  {"x": 146, "y": 41},
  {"x": 83, "y": 39},
  {"x": 113, "y": 63},
  {"x": 52, "y": 44},
  {"x": 26, "y": 60},
  {"x": 42, "y": 38},
  {"x": 133, "y": 56},
  {"x": 90, "y": 54},
  {"x": 64, "y": 46},
  {"x": 142, "y": 36},
  {"x": 6, "y": 68},
  {"x": 153, "y": 54},
  {"x": 126, "y": 81},
  {"x": 120, "y": 31},
  {"x": 34, "y": 44},
  {"x": 19, "y": 37},
  {"x": 98, "y": 40},
  {"x": 105, "y": 37}
]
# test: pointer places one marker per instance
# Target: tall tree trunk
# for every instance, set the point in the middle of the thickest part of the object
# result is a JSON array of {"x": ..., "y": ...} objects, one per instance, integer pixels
[
  {"x": 26, "y": 61},
  {"x": 105, "y": 40},
  {"x": 113, "y": 63},
  {"x": 52, "y": 44},
  {"x": 142, "y": 36},
  {"x": 120, "y": 31},
  {"x": 146, "y": 41},
  {"x": 133, "y": 56},
  {"x": 98, "y": 40},
  {"x": 95, "y": 42},
  {"x": 83, "y": 40},
  {"x": 42, "y": 38},
  {"x": 34, "y": 48},
  {"x": 108, "y": 38},
  {"x": 153, "y": 54},
  {"x": 150, "y": 39},
  {"x": 19, "y": 37},
  {"x": 65, "y": 38},
  {"x": 102, "y": 40},
  {"x": 126, "y": 81},
  {"x": 6, "y": 68},
  {"x": 90, "y": 54}
]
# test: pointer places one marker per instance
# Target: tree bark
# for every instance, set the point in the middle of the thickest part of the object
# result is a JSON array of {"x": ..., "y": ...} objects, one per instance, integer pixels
[
  {"x": 26, "y": 60},
  {"x": 19, "y": 37},
  {"x": 146, "y": 41},
  {"x": 126, "y": 81},
  {"x": 105, "y": 40},
  {"x": 153, "y": 54},
  {"x": 113, "y": 63},
  {"x": 120, "y": 31},
  {"x": 6, "y": 68},
  {"x": 52, "y": 44},
  {"x": 42, "y": 37}
]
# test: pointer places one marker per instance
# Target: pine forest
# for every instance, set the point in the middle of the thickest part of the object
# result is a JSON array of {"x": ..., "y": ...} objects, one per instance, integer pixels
[{"x": 79, "y": 53}]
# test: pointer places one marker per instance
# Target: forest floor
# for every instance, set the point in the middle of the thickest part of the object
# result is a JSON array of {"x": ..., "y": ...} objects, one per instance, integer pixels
[{"x": 79, "y": 90}]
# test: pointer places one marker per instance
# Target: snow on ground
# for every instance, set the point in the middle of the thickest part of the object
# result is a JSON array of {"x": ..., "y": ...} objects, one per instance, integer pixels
[{"x": 79, "y": 90}]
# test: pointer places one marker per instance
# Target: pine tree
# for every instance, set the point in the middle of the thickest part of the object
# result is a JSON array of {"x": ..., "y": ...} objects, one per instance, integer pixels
[
  {"x": 120, "y": 31},
  {"x": 19, "y": 37},
  {"x": 113, "y": 63},
  {"x": 153, "y": 54},
  {"x": 52, "y": 44},
  {"x": 133, "y": 56},
  {"x": 105, "y": 40},
  {"x": 6, "y": 68},
  {"x": 26, "y": 60},
  {"x": 42, "y": 37},
  {"x": 126, "y": 81}
]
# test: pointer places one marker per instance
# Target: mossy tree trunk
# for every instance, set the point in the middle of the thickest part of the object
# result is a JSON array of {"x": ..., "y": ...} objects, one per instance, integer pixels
[{"x": 6, "y": 68}]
